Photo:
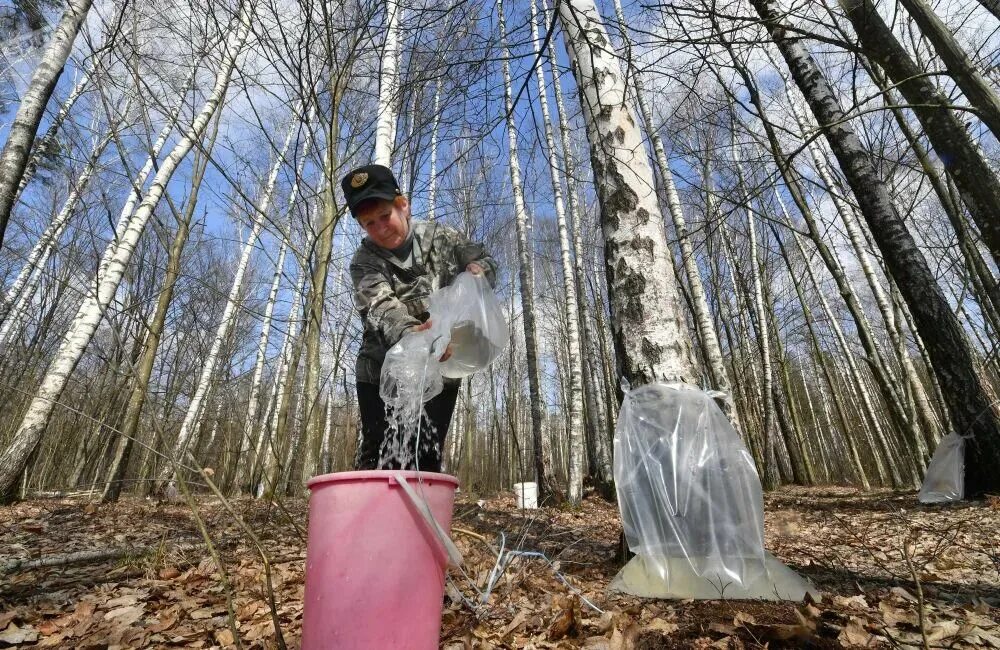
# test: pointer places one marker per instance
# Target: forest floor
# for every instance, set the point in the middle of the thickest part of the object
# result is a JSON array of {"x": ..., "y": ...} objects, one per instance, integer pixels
[{"x": 137, "y": 574}]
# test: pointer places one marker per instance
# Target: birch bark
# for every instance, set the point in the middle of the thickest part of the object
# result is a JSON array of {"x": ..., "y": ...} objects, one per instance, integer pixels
[
  {"x": 649, "y": 332},
  {"x": 707, "y": 333},
  {"x": 388, "y": 87},
  {"x": 575, "y": 392},
  {"x": 976, "y": 89},
  {"x": 977, "y": 182}
]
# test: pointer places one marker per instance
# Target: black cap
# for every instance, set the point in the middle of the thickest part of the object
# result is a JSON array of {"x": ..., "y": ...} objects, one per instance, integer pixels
[{"x": 369, "y": 182}]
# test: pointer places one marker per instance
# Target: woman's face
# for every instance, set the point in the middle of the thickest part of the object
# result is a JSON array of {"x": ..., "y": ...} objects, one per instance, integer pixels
[{"x": 386, "y": 222}]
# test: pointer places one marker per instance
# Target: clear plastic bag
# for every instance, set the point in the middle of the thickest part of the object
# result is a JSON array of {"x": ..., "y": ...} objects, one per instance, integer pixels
[
  {"x": 688, "y": 490},
  {"x": 945, "y": 477},
  {"x": 465, "y": 314}
]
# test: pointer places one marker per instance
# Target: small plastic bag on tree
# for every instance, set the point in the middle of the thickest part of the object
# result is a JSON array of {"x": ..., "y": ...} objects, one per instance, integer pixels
[
  {"x": 465, "y": 314},
  {"x": 691, "y": 502},
  {"x": 945, "y": 477}
]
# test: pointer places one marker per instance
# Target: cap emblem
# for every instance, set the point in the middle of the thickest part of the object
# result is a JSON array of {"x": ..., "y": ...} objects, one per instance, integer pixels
[{"x": 359, "y": 179}]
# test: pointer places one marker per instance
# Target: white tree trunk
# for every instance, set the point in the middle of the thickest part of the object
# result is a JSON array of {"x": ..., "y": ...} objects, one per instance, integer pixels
[
  {"x": 650, "y": 335},
  {"x": 859, "y": 244},
  {"x": 432, "y": 181},
  {"x": 574, "y": 402},
  {"x": 50, "y": 133},
  {"x": 267, "y": 460},
  {"x": 250, "y": 435},
  {"x": 699, "y": 303},
  {"x": 91, "y": 311},
  {"x": 388, "y": 87},
  {"x": 542, "y": 461},
  {"x": 21, "y": 133},
  {"x": 30, "y": 274},
  {"x": 250, "y": 425},
  {"x": 192, "y": 420}
]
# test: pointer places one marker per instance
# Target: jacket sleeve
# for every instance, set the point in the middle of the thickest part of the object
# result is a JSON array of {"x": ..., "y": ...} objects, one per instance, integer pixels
[
  {"x": 468, "y": 251},
  {"x": 378, "y": 304}
]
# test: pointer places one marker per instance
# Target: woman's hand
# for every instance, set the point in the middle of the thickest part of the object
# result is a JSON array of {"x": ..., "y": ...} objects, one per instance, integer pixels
[
  {"x": 474, "y": 268},
  {"x": 425, "y": 326}
]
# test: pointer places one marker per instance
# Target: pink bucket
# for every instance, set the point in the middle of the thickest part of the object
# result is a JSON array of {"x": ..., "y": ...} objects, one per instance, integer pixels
[{"x": 374, "y": 568}]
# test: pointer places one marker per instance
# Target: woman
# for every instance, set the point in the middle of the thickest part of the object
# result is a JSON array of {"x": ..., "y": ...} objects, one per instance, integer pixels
[{"x": 397, "y": 266}]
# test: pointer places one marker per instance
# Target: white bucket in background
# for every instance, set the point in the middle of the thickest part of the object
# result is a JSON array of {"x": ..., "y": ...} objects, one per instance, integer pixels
[{"x": 526, "y": 495}]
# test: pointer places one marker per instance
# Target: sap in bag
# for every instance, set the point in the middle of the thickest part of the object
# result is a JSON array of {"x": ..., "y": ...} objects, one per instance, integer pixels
[
  {"x": 465, "y": 314},
  {"x": 691, "y": 502},
  {"x": 944, "y": 481}
]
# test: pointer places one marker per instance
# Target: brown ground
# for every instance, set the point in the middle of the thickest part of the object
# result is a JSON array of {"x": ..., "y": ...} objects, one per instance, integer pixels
[{"x": 167, "y": 591}]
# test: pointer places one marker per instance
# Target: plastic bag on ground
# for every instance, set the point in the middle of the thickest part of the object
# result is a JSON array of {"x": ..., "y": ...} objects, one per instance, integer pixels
[
  {"x": 691, "y": 502},
  {"x": 945, "y": 478},
  {"x": 466, "y": 314}
]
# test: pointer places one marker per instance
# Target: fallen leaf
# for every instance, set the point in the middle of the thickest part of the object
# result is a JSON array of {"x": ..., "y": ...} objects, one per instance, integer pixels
[
  {"x": 517, "y": 622},
  {"x": 7, "y": 617},
  {"x": 661, "y": 626},
  {"x": 943, "y": 630},
  {"x": 125, "y": 616},
  {"x": 15, "y": 635},
  {"x": 852, "y": 602},
  {"x": 904, "y": 594},
  {"x": 854, "y": 633},
  {"x": 169, "y": 573},
  {"x": 90, "y": 509},
  {"x": 121, "y": 601},
  {"x": 893, "y": 616},
  {"x": 562, "y": 625},
  {"x": 224, "y": 636},
  {"x": 596, "y": 643},
  {"x": 742, "y": 618}
]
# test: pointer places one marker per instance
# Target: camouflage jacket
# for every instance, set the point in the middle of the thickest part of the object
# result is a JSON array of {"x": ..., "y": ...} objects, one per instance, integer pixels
[{"x": 391, "y": 295}]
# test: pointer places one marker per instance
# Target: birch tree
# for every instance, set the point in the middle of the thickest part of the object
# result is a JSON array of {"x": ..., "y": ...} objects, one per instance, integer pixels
[
  {"x": 91, "y": 311},
  {"x": 649, "y": 332},
  {"x": 942, "y": 334},
  {"x": 192, "y": 420},
  {"x": 21, "y": 133},
  {"x": 543, "y": 472}
]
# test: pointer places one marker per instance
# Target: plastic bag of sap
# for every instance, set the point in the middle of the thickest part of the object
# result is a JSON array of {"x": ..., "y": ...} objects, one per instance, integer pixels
[
  {"x": 465, "y": 314},
  {"x": 468, "y": 315},
  {"x": 690, "y": 497},
  {"x": 411, "y": 370},
  {"x": 945, "y": 477}
]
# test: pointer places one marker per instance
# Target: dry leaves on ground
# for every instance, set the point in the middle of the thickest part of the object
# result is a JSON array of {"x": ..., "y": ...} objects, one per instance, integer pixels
[{"x": 162, "y": 589}]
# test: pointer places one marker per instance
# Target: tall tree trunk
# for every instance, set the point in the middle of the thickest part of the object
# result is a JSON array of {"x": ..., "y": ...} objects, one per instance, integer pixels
[
  {"x": 21, "y": 133},
  {"x": 650, "y": 336},
  {"x": 768, "y": 476},
  {"x": 30, "y": 274},
  {"x": 433, "y": 174},
  {"x": 574, "y": 403},
  {"x": 543, "y": 469},
  {"x": 388, "y": 87},
  {"x": 192, "y": 420},
  {"x": 704, "y": 324},
  {"x": 284, "y": 377},
  {"x": 49, "y": 138},
  {"x": 858, "y": 241},
  {"x": 978, "y": 184},
  {"x": 937, "y": 325},
  {"x": 144, "y": 370},
  {"x": 90, "y": 313},
  {"x": 976, "y": 89},
  {"x": 320, "y": 253}
]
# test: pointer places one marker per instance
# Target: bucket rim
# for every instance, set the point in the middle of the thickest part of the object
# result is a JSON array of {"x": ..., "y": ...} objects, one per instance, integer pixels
[{"x": 380, "y": 475}]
